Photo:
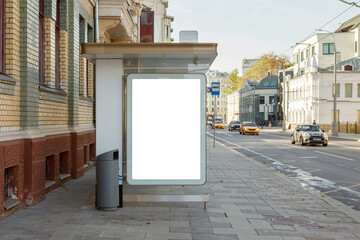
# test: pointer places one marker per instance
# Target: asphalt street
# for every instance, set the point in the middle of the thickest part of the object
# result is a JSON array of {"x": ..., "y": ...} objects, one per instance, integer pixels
[{"x": 334, "y": 170}]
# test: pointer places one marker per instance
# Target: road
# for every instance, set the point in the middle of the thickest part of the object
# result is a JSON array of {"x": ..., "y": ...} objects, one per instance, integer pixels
[{"x": 334, "y": 170}]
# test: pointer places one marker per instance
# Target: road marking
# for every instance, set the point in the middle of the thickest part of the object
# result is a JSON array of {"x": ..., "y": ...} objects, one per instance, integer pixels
[
  {"x": 339, "y": 189},
  {"x": 346, "y": 198},
  {"x": 305, "y": 178},
  {"x": 333, "y": 155},
  {"x": 315, "y": 170},
  {"x": 308, "y": 157},
  {"x": 225, "y": 134}
]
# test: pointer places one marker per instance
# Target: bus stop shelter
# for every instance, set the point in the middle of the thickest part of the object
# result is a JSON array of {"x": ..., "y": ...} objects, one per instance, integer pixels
[{"x": 150, "y": 105}]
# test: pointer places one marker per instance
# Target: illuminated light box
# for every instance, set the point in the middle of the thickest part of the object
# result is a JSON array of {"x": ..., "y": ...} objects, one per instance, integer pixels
[{"x": 166, "y": 129}]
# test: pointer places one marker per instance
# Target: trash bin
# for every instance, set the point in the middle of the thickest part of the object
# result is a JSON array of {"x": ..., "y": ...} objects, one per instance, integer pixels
[{"x": 107, "y": 183}]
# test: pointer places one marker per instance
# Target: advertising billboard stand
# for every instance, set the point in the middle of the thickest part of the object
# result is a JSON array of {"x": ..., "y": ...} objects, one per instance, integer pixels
[{"x": 143, "y": 92}]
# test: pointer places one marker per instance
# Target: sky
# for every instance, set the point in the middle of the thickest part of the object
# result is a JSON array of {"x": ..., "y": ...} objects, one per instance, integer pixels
[{"x": 251, "y": 28}]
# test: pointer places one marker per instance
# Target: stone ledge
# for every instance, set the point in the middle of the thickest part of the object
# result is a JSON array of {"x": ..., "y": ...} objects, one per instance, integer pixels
[
  {"x": 86, "y": 101},
  {"x": 10, "y": 203},
  {"x": 63, "y": 176},
  {"x": 8, "y": 80},
  {"x": 52, "y": 94},
  {"x": 49, "y": 183},
  {"x": 7, "y": 85}
]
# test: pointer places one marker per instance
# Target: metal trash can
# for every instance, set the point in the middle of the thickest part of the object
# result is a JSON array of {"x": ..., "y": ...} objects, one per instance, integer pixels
[{"x": 107, "y": 183}]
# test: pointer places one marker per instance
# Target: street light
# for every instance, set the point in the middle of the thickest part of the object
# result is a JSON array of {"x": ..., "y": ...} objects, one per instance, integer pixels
[{"x": 334, "y": 124}]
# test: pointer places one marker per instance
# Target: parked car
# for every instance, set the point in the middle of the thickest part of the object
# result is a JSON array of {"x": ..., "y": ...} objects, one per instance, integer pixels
[
  {"x": 249, "y": 128},
  {"x": 234, "y": 125},
  {"x": 218, "y": 123},
  {"x": 309, "y": 134}
]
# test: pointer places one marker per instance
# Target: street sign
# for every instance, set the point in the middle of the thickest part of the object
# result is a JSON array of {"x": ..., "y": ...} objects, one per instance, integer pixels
[{"x": 215, "y": 88}]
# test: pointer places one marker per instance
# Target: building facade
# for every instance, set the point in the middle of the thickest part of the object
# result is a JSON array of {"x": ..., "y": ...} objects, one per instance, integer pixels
[
  {"x": 233, "y": 106},
  {"x": 260, "y": 101},
  {"x": 310, "y": 96},
  {"x": 47, "y": 133},
  {"x": 221, "y": 100},
  {"x": 309, "y": 93},
  {"x": 120, "y": 21}
]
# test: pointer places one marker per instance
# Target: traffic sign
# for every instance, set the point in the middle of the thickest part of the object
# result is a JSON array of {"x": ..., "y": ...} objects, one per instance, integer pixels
[{"x": 215, "y": 88}]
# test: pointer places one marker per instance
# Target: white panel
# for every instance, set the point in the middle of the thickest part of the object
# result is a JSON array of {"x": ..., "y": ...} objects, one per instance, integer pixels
[
  {"x": 109, "y": 75},
  {"x": 166, "y": 131}
]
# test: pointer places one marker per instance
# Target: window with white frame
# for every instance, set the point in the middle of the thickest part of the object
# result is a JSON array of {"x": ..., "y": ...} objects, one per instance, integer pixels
[
  {"x": 348, "y": 90},
  {"x": 328, "y": 48}
]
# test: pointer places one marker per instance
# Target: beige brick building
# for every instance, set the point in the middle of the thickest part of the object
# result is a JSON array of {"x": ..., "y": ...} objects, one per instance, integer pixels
[{"x": 47, "y": 133}]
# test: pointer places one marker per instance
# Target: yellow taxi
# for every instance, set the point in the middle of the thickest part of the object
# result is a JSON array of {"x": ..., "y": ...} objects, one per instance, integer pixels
[
  {"x": 218, "y": 123},
  {"x": 249, "y": 128}
]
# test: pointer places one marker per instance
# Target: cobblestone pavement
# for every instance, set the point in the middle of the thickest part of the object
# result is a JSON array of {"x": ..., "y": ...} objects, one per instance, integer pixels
[{"x": 248, "y": 201}]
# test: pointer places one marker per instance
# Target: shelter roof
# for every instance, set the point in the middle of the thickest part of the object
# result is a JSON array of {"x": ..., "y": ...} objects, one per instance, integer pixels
[{"x": 155, "y": 57}]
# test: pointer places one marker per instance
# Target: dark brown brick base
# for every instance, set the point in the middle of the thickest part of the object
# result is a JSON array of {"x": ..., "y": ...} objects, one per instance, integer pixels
[{"x": 36, "y": 166}]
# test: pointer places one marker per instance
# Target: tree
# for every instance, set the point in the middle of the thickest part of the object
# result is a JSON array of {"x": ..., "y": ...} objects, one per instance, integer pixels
[
  {"x": 266, "y": 63},
  {"x": 234, "y": 80}
]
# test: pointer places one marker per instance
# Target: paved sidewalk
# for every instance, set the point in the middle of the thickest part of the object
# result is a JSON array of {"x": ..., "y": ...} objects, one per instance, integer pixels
[{"x": 249, "y": 201}]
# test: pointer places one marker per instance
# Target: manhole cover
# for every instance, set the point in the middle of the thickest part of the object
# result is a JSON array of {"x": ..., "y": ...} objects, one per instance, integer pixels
[{"x": 290, "y": 221}]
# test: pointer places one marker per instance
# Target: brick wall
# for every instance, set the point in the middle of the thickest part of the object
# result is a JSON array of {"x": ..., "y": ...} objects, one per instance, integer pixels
[
  {"x": 26, "y": 105},
  {"x": 10, "y": 91},
  {"x": 85, "y": 112}
]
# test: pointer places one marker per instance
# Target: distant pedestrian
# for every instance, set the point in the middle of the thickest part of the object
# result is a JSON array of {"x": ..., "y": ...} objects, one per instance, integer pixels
[
  {"x": 270, "y": 125},
  {"x": 314, "y": 122},
  {"x": 262, "y": 123}
]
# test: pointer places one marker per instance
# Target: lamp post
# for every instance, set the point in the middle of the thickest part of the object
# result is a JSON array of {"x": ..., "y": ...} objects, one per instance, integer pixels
[{"x": 334, "y": 124}]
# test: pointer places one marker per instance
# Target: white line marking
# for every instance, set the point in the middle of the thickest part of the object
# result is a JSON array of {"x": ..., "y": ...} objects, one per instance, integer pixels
[
  {"x": 345, "y": 158},
  {"x": 225, "y": 134},
  {"x": 308, "y": 157},
  {"x": 305, "y": 178}
]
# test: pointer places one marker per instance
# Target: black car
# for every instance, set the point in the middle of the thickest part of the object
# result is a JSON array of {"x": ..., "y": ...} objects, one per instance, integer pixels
[{"x": 234, "y": 125}]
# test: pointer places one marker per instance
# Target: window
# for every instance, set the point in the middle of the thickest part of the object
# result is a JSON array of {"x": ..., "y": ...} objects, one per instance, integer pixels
[
  {"x": 41, "y": 42},
  {"x": 63, "y": 163},
  {"x": 57, "y": 45},
  {"x": 358, "y": 90},
  {"x": 271, "y": 100},
  {"x": 307, "y": 53},
  {"x": 348, "y": 68},
  {"x": 348, "y": 90},
  {"x": 6, "y": 184},
  {"x": 49, "y": 168},
  {"x": 296, "y": 58},
  {"x": 2, "y": 36},
  {"x": 356, "y": 46},
  {"x": 262, "y": 100},
  {"x": 302, "y": 56},
  {"x": 313, "y": 51},
  {"x": 328, "y": 48}
]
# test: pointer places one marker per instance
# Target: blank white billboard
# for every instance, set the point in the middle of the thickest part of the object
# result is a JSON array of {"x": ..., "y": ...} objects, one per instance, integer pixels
[{"x": 166, "y": 129}]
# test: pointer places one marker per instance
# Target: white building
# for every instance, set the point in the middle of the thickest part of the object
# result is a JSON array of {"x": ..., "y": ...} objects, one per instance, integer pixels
[
  {"x": 233, "y": 107},
  {"x": 221, "y": 100},
  {"x": 309, "y": 94}
]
